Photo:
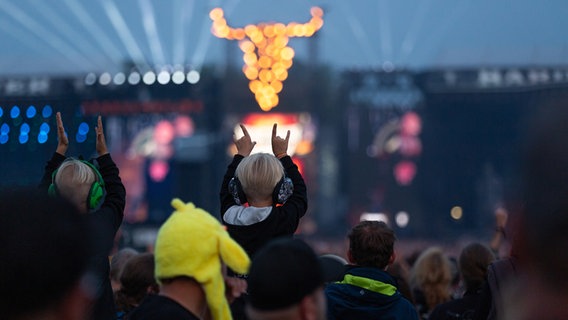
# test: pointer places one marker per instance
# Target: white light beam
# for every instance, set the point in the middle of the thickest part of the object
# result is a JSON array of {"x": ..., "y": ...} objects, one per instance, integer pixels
[
  {"x": 149, "y": 23},
  {"x": 39, "y": 31},
  {"x": 105, "y": 44},
  {"x": 180, "y": 23},
  {"x": 67, "y": 30},
  {"x": 124, "y": 33}
]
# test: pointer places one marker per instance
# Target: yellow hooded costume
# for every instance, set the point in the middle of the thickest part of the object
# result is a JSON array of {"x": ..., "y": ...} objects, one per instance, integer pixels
[{"x": 193, "y": 243}]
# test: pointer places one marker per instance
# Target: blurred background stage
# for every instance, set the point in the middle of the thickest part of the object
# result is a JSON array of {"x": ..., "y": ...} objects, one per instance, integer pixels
[{"x": 389, "y": 121}]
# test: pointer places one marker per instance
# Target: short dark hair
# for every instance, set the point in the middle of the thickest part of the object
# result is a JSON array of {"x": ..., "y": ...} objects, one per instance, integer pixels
[
  {"x": 44, "y": 249},
  {"x": 371, "y": 244}
]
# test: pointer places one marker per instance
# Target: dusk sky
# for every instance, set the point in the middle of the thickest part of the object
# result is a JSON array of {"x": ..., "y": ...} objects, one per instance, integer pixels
[{"x": 79, "y": 36}]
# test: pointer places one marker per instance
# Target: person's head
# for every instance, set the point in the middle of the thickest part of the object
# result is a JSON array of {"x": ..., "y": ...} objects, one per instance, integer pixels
[
  {"x": 45, "y": 251},
  {"x": 400, "y": 271},
  {"x": 286, "y": 282},
  {"x": 258, "y": 175},
  {"x": 137, "y": 280},
  {"x": 192, "y": 244},
  {"x": 117, "y": 263},
  {"x": 432, "y": 274},
  {"x": 333, "y": 267},
  {"x": 80, "y": 182},
  {"x": 473, "y": 262},
  {"x": 371, "y": 244}
]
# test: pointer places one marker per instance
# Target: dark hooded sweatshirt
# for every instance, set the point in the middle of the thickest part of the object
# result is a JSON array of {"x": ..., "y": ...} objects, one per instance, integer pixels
[{"x": 367, "y": 293}]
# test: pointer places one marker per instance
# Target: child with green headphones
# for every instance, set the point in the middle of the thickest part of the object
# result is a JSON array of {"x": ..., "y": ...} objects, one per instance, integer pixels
[{"x": 95, "y": 190}]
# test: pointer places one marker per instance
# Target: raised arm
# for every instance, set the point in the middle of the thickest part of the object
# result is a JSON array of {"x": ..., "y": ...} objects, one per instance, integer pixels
[
  {"x": 62, "y": 140},
  {"x": 58, "y": 156},
  {"x": 100, "y": 146},
  {"x": 279, "y": 145},
  {"x": 244, "y": 144}
]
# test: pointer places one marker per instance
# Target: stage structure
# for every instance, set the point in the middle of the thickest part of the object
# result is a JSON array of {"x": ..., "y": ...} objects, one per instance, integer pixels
[
  {"x": 434, "y": 153},
  {"x": 161, "y": 130}
]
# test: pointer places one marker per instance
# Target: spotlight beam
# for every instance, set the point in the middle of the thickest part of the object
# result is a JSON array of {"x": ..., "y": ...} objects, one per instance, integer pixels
[
  {"x": 123, "y": 32},
  {"x": 359, "y": 33},
  {"x": 66, "y": 29},
  {"x": 20, "y": 35},
  {"x": 180, "y": 22},
  {"x": 105, "y": 44},
  {"x": 39, "y": 31},
  {"x": 202, "y": 46},
  {"x": 149, "y": 22}
]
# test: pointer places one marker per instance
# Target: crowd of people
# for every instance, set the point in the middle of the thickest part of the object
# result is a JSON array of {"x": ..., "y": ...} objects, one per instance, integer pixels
[{"x": 57, "y": 239}]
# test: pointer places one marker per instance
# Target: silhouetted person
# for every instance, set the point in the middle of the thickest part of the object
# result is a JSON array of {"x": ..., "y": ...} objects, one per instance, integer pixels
[
  {"x": 44, "y": 254},
  {"x": 117, "y": 262},
  {"x": 541, "y": 289},
  {"x": 286, "y": 282},
  {"x": 136, "y": 282},
  {"x": 473, "y": 262}
]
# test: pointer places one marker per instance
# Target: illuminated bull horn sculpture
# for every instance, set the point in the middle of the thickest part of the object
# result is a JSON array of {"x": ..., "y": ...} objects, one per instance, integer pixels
[{"x": 267, "y": 55}]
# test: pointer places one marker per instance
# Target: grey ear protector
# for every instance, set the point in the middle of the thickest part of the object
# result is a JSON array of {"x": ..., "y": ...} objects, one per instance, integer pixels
[{"x": 282, "y": 191}]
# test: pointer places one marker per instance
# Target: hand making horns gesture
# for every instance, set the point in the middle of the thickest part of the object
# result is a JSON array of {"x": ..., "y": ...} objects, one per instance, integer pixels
[
  {"x": 244, "y": 144},
  {"x": 279, "y": 145}
]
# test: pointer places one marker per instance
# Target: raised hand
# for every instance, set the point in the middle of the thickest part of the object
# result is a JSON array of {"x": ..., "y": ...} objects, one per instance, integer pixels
[
  {"x": 279, "y": 145},
  {"x": 101, "y": 142},
  {"x": 62, "y": 140},
  {"x": 244, "y": 144}
]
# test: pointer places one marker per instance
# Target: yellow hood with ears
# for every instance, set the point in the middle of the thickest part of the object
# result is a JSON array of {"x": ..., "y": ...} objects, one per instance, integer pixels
[{"x": 193, "y": 243}]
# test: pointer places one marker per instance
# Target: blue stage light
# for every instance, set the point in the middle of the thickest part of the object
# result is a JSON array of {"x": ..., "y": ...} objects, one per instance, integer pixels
[
  {"x": 25, "y": 128},
  {"x": 5, "y": 129},
  {"x": 47, "y": 111},
  {"x": 15, "y": 112},
  {"x": 44, "y": 128},
  {"x": 42, "y": 137},
  {"x": 83, "y": 128},
  {"x": 1, "y": 112},
  {"x": 23, "y": 138},
  {"x": 3, "y": 138},
  {"x": 31, "y": 112},
  {"x": 80, "y": 138}
]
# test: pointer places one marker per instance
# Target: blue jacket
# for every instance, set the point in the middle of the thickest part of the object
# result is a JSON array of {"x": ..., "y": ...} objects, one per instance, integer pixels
[{"x": 367, "y": 293}]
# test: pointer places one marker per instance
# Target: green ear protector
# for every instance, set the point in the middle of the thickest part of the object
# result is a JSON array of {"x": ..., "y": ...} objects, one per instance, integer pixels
[{"x": 97, "y": 191}]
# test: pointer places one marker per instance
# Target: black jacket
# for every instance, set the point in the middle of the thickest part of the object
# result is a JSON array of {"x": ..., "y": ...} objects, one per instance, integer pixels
[
  {"x": 253, "y": 227},
  {"x": 105, "y": 222}
]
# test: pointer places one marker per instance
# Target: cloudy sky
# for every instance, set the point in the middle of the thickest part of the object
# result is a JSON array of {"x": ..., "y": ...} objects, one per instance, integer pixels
[{"x": 79, "y": 36}]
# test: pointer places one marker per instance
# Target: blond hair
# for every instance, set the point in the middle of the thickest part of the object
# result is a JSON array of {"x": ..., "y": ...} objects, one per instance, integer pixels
[
  {"x": 258, "y": 174},
  {"x": 432, "y": 275},
  {"x": 73, "y": 181}
]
